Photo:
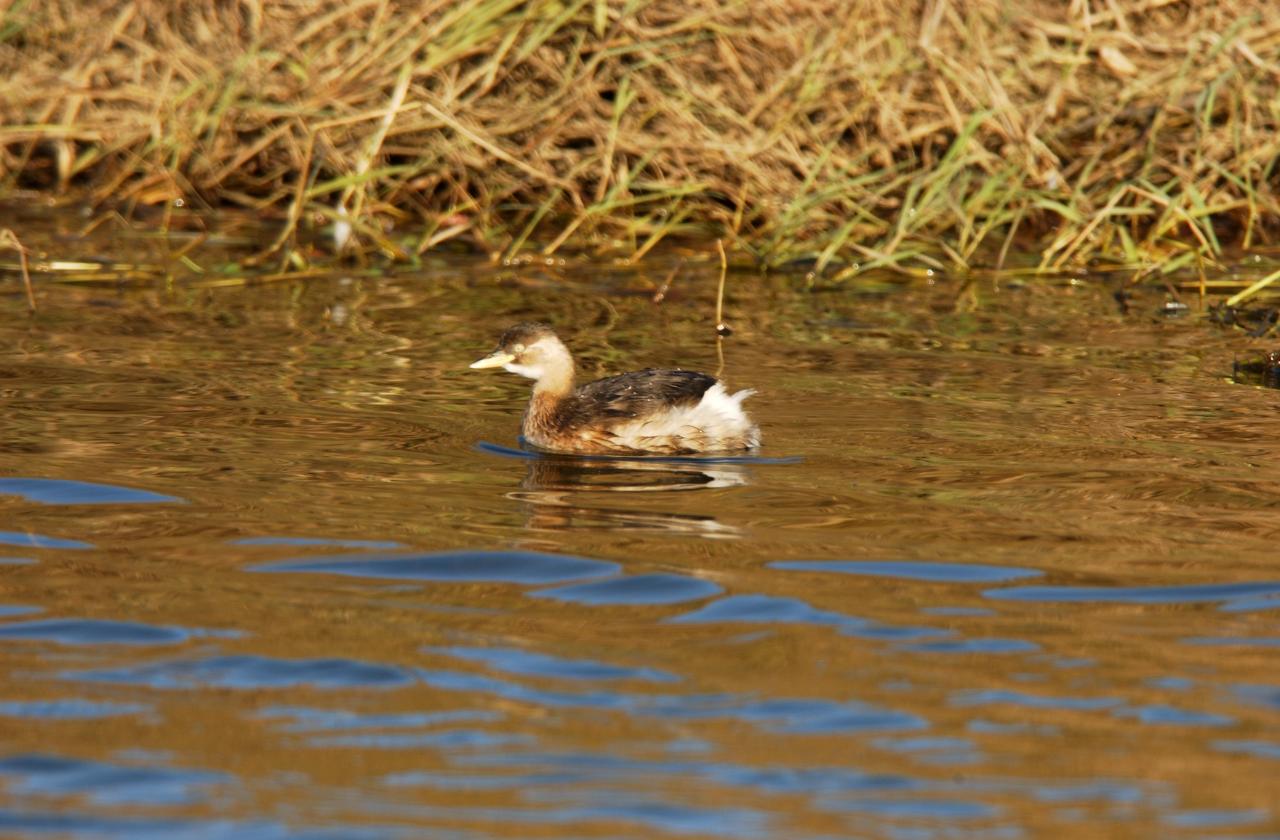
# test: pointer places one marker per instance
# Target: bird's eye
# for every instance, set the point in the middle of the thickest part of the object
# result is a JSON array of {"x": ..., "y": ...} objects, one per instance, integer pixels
[{"x": 519, "y": 348}]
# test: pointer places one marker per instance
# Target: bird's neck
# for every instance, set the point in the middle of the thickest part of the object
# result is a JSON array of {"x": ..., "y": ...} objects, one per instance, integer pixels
[
  {"x": 556, "y": 381},
  {"x": 554, "y": 385},
  {"x": 550, "y": 391}
]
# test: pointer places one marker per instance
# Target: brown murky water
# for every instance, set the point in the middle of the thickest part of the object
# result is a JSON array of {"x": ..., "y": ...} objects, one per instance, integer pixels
[{"x": 1006, "y": 567}]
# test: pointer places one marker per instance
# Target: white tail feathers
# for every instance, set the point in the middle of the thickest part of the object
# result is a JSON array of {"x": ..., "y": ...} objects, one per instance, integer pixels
[{"x": 716, "y": 423}]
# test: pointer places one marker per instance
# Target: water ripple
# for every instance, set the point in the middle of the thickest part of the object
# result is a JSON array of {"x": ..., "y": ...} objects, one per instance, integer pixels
[
  {"x": 995, "y": 646},
  {"x": 1192, "y": 594},
  {"x": 1266, "y": 695},
  {"x": 669, "y": 818},
  {"x": 51, "y": 775},
  {"x": 461, "y": 681},
  {"x": 767, "y": 609},
  {"x": 1171, "y": 715},
  {"x": 798, "y": 716},
  {"x": 635, "y": 590},
  {"x": 526, "y": 567},
  {"x": 1031, "y": 701},
  {"x": 1256, "y": 603},
  {"x": 1209, "y": 818},
  {"x": 30, "y": 540},
  {"x": 69, "y": 709},
  {"x": 253, "y": 672},
  {"x": 450, "y": 739},
  {"x": 306, "y": 542},
  {"x": 912, "y": 570},
  {"x": 576, "y": 767},
  {"x": 532, "y": 664},
  {"x": 933, "y": 743},
  {"x": 785, "y": 715},
  {"x": 308, "y": 719},
  {"x": 52, "y": 491},
  {"x": 919, "y": 808},
  {"x": 86, "y": 631},
  {"x": 64, "y": 824},
  {"x": 1234, "y": 641},
  {"x": 1261, "y": 749}
]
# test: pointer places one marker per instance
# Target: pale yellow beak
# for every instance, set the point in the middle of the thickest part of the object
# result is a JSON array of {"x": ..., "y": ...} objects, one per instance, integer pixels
[{"x": 497, "y": 358}]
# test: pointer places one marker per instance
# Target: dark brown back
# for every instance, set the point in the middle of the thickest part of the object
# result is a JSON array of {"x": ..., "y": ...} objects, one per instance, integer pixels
[{"x": 634, "y": 394}]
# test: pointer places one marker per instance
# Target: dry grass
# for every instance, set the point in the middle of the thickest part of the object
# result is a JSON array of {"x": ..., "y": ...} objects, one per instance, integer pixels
[{"x": 851, "y": 132}]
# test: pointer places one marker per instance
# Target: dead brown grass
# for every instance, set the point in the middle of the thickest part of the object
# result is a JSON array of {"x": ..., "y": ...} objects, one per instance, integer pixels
[{"x": 856, "y": 133}]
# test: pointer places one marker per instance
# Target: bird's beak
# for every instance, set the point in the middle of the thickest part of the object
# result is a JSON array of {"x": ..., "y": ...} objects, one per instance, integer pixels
[{"x": 497, "y": 358}]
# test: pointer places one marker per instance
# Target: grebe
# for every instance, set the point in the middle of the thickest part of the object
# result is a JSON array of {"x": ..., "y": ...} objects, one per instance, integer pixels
[{"x": 661, "y": 412}]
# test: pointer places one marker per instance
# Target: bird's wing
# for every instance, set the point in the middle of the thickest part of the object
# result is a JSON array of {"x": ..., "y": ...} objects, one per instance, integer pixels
[{"x": 640, "y": 393}]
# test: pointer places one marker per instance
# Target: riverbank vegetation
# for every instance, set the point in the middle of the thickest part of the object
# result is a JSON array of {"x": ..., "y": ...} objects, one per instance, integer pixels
[{"x": 847, "y": 133}]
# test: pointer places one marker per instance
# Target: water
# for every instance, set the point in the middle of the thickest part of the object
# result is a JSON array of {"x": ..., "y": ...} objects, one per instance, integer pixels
[{"x": 273, "y": 567}]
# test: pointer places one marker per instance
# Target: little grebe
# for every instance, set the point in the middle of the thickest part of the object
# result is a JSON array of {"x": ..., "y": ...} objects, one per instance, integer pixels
[{"x": 664, "y": 412}]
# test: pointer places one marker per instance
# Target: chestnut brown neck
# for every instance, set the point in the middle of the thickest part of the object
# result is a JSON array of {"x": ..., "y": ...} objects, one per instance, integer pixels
[{"x": 540, "y": 418}]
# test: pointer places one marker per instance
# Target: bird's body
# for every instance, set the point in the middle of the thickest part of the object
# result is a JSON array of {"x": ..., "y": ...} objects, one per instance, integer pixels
[{"x": 666, "y": 412}]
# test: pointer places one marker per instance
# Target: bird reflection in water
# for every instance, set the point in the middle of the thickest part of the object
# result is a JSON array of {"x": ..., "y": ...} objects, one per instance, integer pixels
[{"x": 555, "y": 488}]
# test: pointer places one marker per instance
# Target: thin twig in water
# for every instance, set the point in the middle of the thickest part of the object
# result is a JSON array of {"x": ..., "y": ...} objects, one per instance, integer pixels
[
  {"x": 661, "y": 293},
  {"x": 1253, "y": 289},
  {"x": 721, "y": 329},
  {"x": 9, "y": 239}
]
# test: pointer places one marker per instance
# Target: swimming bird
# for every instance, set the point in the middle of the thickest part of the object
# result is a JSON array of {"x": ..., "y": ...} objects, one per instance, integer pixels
[{"x": 660, "y": 412}]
